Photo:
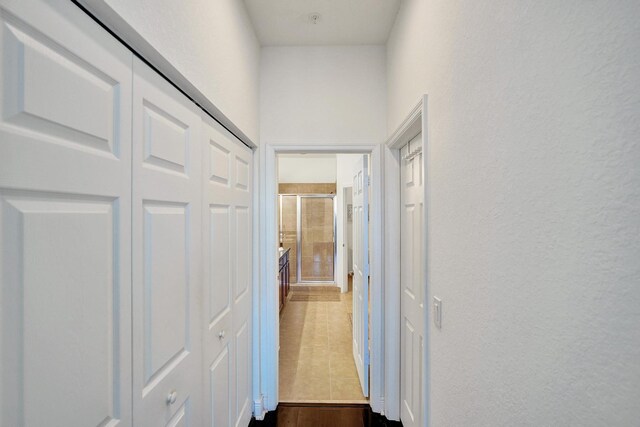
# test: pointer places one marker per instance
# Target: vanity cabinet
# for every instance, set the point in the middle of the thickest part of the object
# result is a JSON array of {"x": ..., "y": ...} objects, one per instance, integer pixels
[{"x": 283, "y": 282}]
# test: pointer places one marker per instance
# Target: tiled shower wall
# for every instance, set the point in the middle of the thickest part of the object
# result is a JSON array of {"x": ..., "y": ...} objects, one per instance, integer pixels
[
  {"x": 317, "y": 239},
  {"x": 289, "y": 188},
  {"x": 317, "y": 219},
  {"x": 289, "y": 233}
]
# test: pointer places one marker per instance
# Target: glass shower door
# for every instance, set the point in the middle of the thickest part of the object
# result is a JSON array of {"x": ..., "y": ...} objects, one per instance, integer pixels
[
  {"x": 288, "y": 212},
  {"x": 317, "y": 238}
]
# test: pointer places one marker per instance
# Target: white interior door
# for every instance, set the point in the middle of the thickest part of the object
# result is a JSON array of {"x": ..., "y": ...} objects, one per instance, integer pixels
[
  {"x": 227, "y": 277},
  {"x": 167, "y": 193},
  {"x": 412, "y": 285},
  {"x": 361, "y": 271},
  {"x": 65, "y": 203}
]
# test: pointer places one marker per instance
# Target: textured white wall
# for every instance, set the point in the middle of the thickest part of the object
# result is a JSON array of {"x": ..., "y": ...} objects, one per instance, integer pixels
[
  {"x": 323, "y": 95},
  {"x": 317, "y": 96},
  {"x": 534, "y": 205},
  {"x": 308, "y": 168},
  {"x": 212, "y": 43}
]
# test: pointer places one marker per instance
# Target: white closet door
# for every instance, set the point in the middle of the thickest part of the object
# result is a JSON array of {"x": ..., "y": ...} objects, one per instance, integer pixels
[
  {"x": 361, "y": 272},
  {"x": 227, "y": 277},
  {"x": 412, "y": 285},
  {"x": 167, "y": 191},
  {"x": 65, "y": 203}
]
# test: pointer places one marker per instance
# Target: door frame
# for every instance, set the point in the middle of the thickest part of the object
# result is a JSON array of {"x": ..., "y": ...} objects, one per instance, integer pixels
[
  {"x": 414, "y": 123},
  {"x": 266, "y": 339}
]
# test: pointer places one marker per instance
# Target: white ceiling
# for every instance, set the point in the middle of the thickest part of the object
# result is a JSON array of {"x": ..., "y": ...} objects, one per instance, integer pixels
[{"x": 342, "y": 22}]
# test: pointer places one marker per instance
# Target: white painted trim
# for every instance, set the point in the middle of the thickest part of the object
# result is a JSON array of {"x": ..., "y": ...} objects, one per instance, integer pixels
[
  {"x": 415, "y": 123},
  {"x": 392, "y": 282},
  {"x": 324, "y": 148},
  {"x": 269, "y": 319},
  {"x": 376, "y": 269},
  {"x": 258, "y": 409},
  {"x": 425, "y": 250},
  {"x": 402, "y": 134},
  {"x": 256, "y": 303},
  {"x": 269, "y": 337}
]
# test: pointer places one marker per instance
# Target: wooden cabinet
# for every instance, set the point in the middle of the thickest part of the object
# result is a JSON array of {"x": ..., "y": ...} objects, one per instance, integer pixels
[{"x": 283, "y": 283}]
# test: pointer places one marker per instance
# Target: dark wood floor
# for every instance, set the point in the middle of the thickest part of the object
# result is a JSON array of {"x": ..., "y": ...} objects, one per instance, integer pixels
[{"x": 323, "y": 415}]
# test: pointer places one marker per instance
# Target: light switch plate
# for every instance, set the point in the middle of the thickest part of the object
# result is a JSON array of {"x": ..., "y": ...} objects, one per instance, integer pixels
[{"x": 437, "y": 312}]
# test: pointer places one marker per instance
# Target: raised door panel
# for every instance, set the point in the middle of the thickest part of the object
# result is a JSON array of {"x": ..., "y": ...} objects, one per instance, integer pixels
[
  {"x": 220, "y": 389},
  {"x": 219, "y": 263},
  {"x": 242, "y": 173},
  {"x": 167, "y": 290},
  {"x": 66, "y": 98},
  {"x": 219, "y": 162},
  {"x": 408, "y": 373},
  {"x": 243, "y": 372},
  {"x": 166, "y": 140},
  {"x": 65, "y": 202},
  {"x": 243, "y": 250},
  {"x": 60, "y": 309},
  {"x": 33, "y": 96},
  {"x": 181, "y": 417}
]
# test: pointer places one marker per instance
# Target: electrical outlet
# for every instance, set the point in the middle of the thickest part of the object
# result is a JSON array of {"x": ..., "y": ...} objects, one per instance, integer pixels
[{"x": 437, "y": 312}]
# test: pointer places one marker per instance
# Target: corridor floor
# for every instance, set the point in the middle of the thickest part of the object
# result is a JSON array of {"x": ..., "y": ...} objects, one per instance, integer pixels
[
  {"x": 316, "y": 361},
  {"x": 323, "y": 415}
]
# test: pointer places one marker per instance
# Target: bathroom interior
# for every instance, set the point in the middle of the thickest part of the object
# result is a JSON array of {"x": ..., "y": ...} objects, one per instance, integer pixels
[{"x": 315, "y": 234}]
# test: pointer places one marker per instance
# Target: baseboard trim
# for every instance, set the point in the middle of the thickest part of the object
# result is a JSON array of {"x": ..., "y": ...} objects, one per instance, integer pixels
[{"x": 258, "y": 409}]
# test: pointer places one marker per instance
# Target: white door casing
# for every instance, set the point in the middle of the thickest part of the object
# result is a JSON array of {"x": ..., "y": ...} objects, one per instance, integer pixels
[
  {"x": 167, "y": 193},
  {"x": 267, "y": 336},
  {"x": 65, "y": 200},
  {"x": 411, "y": 281},
  {"x": 227, "y": 256},
  {"x": 361, "y": 271}
]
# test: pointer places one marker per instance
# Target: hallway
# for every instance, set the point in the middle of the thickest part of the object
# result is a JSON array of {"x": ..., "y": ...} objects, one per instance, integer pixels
[
  {"x": 169, "y": 169},
  {"x": 316, "y": 361}
]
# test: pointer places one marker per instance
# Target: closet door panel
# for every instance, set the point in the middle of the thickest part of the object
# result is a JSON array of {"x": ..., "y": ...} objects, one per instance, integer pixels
[
  {"x": 65, "y": 203},
  {"x": 227, "y": 231},
  {"x": 220, "y": 389},
  {"x": 167, "y": 184}
]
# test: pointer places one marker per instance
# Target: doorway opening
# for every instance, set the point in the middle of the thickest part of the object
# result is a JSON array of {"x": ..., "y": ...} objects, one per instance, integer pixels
[{"x": 319, "y": 359}]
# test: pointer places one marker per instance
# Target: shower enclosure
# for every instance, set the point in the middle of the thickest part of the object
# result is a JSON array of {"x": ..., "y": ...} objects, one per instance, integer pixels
[{"x": 308, "y": 227}]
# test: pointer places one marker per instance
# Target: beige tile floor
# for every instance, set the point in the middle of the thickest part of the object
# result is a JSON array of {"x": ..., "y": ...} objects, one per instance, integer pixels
[{"x": 316, "y": 361}]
